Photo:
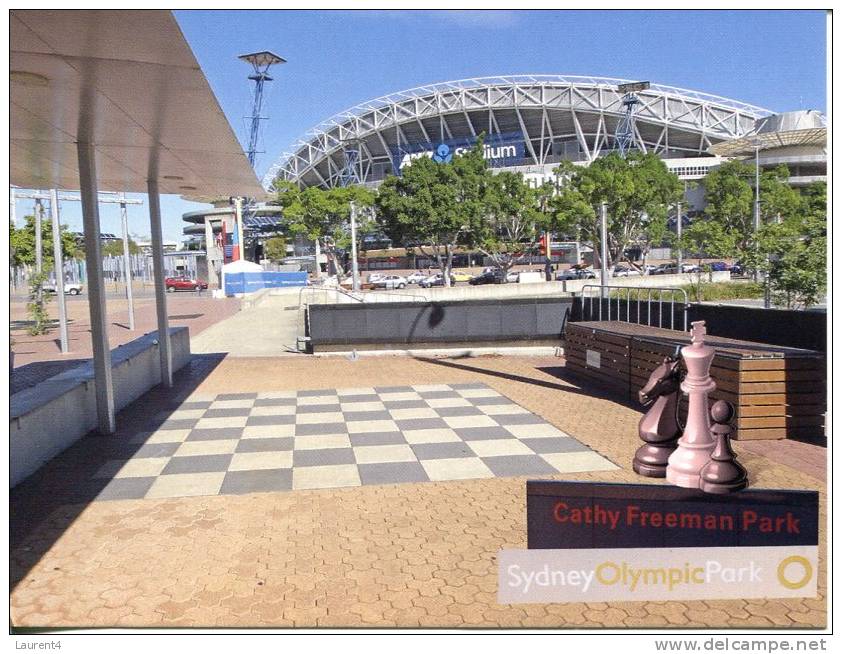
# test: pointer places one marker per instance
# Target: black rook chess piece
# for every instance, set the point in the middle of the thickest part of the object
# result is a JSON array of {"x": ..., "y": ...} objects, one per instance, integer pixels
[{"x": 722, "y": 474}]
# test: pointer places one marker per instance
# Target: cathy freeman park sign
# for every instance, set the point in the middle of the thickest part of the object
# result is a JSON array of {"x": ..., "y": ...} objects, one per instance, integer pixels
[
  {"x": 591, "y": 542},
  {"x": 499, "y": 150}
]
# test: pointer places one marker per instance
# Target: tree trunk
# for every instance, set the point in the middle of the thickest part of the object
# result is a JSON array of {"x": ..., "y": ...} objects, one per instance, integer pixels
[{"x": 448, "y": 265}]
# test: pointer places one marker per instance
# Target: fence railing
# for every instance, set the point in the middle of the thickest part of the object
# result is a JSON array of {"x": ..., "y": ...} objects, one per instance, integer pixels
[{"x": 618, "y": 301}]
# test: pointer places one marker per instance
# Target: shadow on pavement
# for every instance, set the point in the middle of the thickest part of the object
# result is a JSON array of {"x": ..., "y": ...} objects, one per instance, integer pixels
[{"x": 42, "y": 507}]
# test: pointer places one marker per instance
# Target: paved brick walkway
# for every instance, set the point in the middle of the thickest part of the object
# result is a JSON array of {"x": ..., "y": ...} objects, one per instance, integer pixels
[{"x": 410, "y": 554}]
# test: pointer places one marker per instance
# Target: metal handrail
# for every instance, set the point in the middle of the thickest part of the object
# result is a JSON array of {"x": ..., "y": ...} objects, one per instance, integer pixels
[{"x": 639, "y": 290}]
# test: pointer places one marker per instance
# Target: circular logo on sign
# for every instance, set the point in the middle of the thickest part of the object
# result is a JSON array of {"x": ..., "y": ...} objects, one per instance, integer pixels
[
  {"x": 797, "y": 560},
  {"x": 443, "y": 154}
]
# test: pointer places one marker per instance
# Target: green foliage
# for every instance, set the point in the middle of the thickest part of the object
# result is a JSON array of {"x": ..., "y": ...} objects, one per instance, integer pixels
[
  {"x": 22, "y": 241},
  {"x": 275, "y": 248},
  {"x": 36, "y": 307},
  {"x": 712, "y": 291},
  {"x": 707, "y": 238},
  {"x": 638, "y": 191},
  {"x": 115, "y": 248},
  {"x": 437, "y": 205}
]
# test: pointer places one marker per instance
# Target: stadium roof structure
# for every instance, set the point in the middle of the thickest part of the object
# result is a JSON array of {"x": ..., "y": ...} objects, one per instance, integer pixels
[
  {"x": 793, "y": 128},
  {"x": 545, "y": 110},
  {"x": 127, "y": 83}
]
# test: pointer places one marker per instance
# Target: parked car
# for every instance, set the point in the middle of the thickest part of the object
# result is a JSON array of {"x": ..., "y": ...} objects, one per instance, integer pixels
[
  {"x": 736, "y": 269},
  {"x": 512, "y": 276},
  {"x": 416, "y": 277},
  {"x": 69, "y": 288},
  {"x": 665, "y": 269},
  {"x": 375, "y": 277},
  {"x": 625, "y": 271},
  {"x": 492, "y": 276},
  {"x": 461, "y": 276},
  {"x": 716, "y": 266},
  {"x": 576, "y": 272},
  {"x": 390, "y": 281},
  {"x": 184, "y": 284},
  {"x": 689, "y": 268},
  {"x": 435, "y": 280}
]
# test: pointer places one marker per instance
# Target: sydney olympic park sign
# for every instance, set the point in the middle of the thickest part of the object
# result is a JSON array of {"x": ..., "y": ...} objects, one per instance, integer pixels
[{"x": 498, "y": 150}]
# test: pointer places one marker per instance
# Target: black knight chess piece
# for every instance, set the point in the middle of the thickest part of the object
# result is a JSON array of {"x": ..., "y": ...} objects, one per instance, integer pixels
[
  {"x": 659, "y": 428},
  {"x": 722, "y": 474}
]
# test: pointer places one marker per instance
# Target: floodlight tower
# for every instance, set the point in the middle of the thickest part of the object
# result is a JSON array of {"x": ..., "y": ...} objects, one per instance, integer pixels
[
  {"x": 261, "y": 62},
  {"x": 624, "y": 136},
  {"x": 351, "y": 172}
]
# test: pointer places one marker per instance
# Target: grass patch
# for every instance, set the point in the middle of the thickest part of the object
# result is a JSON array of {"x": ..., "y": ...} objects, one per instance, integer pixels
[{"x": 712, "y": 291}]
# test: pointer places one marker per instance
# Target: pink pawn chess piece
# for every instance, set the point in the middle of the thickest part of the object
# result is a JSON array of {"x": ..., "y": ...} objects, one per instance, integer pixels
[{"x": 696, "y": 443}]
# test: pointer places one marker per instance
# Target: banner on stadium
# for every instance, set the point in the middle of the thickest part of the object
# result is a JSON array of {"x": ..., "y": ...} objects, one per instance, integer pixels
[{"x": 499, "y": 150}]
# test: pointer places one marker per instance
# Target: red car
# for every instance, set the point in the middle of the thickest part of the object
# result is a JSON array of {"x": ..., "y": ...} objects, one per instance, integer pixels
[{"x": 184, "y": 284}]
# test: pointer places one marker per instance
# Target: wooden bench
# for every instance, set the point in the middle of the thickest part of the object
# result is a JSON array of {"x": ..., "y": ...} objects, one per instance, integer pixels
[{"x": 778, "y": 392}]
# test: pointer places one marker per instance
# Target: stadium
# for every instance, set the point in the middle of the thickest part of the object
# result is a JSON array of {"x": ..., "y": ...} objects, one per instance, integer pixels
[{"x": 531, "y": 123}]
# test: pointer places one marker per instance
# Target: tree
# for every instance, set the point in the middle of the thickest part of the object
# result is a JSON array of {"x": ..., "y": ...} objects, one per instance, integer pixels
[
  {"x": 275, "y": 248},
  {"x": 514, "y": 221},
  {"x": 637, "y": 190},
  {"x": 23, "y": 241},
  {"x": 323, "y": 215},
  {"x": 706, "y": 237},
  {"x": 435, "y": 206},
  {"x": 115, "y": 248}
]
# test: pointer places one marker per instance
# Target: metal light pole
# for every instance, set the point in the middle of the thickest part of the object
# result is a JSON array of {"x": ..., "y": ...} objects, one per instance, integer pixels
[
  {"x": 756, "y": 201},
  {"x": 603, "y": 247},
  {"x": 39, "y": 246},
  {"x": 59, "y": 270},
  {"x": 126, "y": 261},
  {"x": 354, "y": 267},
  {"x": 678, "y": 226}
]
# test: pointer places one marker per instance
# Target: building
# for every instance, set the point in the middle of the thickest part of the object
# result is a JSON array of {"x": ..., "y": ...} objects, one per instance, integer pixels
[{"x": 533, "y": 122}]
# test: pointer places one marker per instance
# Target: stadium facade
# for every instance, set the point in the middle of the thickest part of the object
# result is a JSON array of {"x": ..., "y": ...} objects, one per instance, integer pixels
[{"x": 531, "y": 123}]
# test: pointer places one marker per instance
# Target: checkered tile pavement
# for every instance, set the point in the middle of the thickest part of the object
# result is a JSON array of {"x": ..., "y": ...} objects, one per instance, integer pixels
[{"x": 289, "y": 440}]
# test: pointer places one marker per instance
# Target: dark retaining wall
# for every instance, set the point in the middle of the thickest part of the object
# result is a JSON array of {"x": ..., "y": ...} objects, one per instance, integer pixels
[{"x": 468, "y": 321}]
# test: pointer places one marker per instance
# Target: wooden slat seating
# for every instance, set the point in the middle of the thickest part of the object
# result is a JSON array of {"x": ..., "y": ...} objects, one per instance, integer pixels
[{"x": 778, "y": 392}]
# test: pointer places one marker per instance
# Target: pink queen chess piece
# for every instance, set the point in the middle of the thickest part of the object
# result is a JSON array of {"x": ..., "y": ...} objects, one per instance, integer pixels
[{"x": 697, "y": 443}]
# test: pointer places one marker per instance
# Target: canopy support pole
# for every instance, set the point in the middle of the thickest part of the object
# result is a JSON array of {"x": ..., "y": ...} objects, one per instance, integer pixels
[{"x": 160, "y": 290}]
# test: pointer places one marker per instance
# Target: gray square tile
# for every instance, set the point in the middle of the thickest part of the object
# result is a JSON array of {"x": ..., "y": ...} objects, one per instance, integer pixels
[
  {"x": 450, "y": 411},
  {"x": 392, "y": 473},
  {"x": 264, "y": 445},
  {"x": 256, "y": 481},
  {"x": 377, "y": 438},
  {"x": 319, "y": 408},
  {"x": 421, "y": 423},
  {"x": 426, "y": 451},
  {"x": 225, "y": 413},
  {"x": 153, "y": 450},
  {"x": 482, "y": 433},
  {"x": 192, "y": 405},
  {"x": 173, "y": 424},
  {"x": 438, "y": 395},
  {"x": 516, "y": 465},
  {"x": 190, "y": 464},
  {"x": 330, "y": 457},
  {"x": 489, "y": 401},
  {"x": 323, "y": 428},
  {"x": 520, "y": 419},
  {"x": 223, "y": 433},
  {"x": 129, "y": 488},
  {"x": 462, "y": 387},
  {"x": 393, "y": 389},
  {"x": 254, "y": 421},
  {"x": 405, "y": 404},
  {"x": 356, "y": 416},
  {"x": 360, "y": 397},
  {"x": 317, "y": 393},
  {"x": 553, "y": 445},
  {"x": 277, "y": 401},
  {"x": 236, "y": 396}
]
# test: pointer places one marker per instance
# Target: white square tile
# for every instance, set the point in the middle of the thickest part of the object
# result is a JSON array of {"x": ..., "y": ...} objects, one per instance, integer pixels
[
  {"x": 162, "y": 436},
  {"x": 180, "y": 414},
  {"x": 219, "y": 423},
  {"x": 421, "y": 436},
  {"x": 408, "y": 414},
  {"x": 430, "y": 388},
  {"x": 272, "y": 411},
  {"x": 499, "y": 447},
  {"x": 384, "y": 454},
  {"x": 440, "y": 402},
  {"x": 200, "y": 448},
  {"x": 260, "y": 461},
  {"x": 325, "y": 476},
  {"x": 450, "y": 469},
  {"x": 543, "y": 430},
  {"x": 355, "y": 391},
  {"x": 502, "y": 409},
  {"x": 356, "y": 407},
  {"x": 400, "y": 397},
  {"x": 315, "y": 400},
  {"x": 232, "y": 404},
  {"x": 478, "y": 392},
  {"x": 321, "y": 442},
  {"x": 187, "y": 485},
  {"x": 121, "y": 469},
  {"x": 276, "y": 395},
  {"x": 268, "y": 431},
  {"x": 365, "y": 426},
  {"x": 319, "y": 418},
  {"x": 464, "y": 422},
  {"x": 578, "y": 461}
]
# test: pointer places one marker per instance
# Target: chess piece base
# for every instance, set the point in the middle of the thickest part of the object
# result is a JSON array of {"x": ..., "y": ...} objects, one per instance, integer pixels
[
  {"x": 651, "y": 460},
  {"x": 723, "y": 489}
]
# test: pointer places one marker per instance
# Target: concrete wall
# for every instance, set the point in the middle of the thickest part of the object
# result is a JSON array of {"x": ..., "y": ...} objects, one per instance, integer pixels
[{"x": 48, "y": 418}]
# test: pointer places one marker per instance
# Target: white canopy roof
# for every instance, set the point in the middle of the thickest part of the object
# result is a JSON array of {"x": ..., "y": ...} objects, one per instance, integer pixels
[{"x": 128, "y": 82}]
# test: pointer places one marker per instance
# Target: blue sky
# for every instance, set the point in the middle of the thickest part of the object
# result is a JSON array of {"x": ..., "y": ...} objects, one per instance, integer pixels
[{"x": 336, "y": 59}]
